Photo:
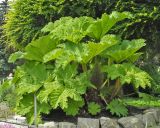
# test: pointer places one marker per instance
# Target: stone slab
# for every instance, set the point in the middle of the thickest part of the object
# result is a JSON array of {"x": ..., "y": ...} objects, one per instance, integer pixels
[
  {"x": 149, "y": 119},
  {"x": 66, "y": 125},
  {"x": 130, "y": 122},
  {"x": 88, "y": 123},
  {"x": 106, "y": 122}
]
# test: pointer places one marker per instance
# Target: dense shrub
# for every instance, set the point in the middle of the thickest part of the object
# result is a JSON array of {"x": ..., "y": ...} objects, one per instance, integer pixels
[
  {"x": 27, "y": 17},
  {"x": 4, "y": 66},
  {"x": 145, "y": 24}
]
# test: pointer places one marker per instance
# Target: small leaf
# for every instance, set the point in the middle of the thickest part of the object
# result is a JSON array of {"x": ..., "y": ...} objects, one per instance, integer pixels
[
  {"x": 118, "y": 108},
  {"x": 73, "y": 107},
  {"x": 94, "y": 108}
]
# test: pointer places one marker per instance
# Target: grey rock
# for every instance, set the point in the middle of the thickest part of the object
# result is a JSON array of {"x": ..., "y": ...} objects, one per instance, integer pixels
[
  {"x": 4, "y": 106},
  {"x": 106, "y": 122},
  {"x": 149, "y": 119},
  {"x": 5, "y": 110},
  {"x": 48, "y": 125},
  {"x": 156, "y": 113},
  {"x": 155, "y": 127},
  {"x": 88, "y": 123},
  {"x": 139, "y": 116},
  {"x": 131, "y": 122},
  {"x": 40, "y": 126},
  {"x": 67, "y": 125},
  {"x": 20, "y": 119},
  {"x": 3, "y": 114},
  {"x": 11, "y": 120}
]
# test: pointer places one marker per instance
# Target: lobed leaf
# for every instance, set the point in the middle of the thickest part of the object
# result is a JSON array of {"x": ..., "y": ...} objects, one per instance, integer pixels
[
  {"x": 118, "y": 108},
  {"x": 124, "y": 50},
  {"x": 94, "y": 108},
  {"x": 101, "y": 26}
]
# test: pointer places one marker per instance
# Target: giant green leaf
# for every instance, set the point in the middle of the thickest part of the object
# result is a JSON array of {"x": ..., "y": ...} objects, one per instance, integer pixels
[
  {"x": 49, "y": 87},
  {"x": 66, "y": 73},
  {"x": 52, "y": 55},
  {"x": 101, "y": 26},
  {"x": 24, "y": 88},
  {"x": 71, "y": 52},
  {"x": 124, "y": 50},
  {"x": 128, "y": 73},
  {"x": 134, "y": 57},
  {"x": 38, "y": 48},
  {"x": 25, "y": 107},
  {"x": 70, "y": 29},
  {"x": 60, "y": 97},
  {"x": 84, "y": 52},
  {"x": 37, "y": 71},
  {"x": 25, "y": 104},
  {"x": 95, "y": 49},
  {"x": 81, "y": 82}
]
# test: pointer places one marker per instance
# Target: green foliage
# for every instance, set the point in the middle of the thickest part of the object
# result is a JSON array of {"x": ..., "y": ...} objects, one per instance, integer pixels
[
  {"x": 117, "y": 107},
  {"x": 129, "y": 74},
  {"x": 7, "y": 93},
  {"x": 125, "y": 50},
  {"x": 24, "y": 22},
  {"x": 5, "y": 67},
  {"x": 94, "y": 108},
  {"x": 144, "y": 23},
  {"x": 25, "y": 103},
  {"x": 74, "y": 29},
  {"x": 73, "y": 107},
  {"x": 99, "y": 28},
  {"x": 145, "y": 100},
  {"x": 58, "y": 66},
  {"x": 154, "y": 71}
]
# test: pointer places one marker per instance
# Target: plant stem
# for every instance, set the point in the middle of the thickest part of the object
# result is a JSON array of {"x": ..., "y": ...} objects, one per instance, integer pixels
[
  {"x": 109, "y": 63},
  {"x": 84, "y": 67},
  {"x": 116, "y": 89},
  {"x": 103, "y": 98},
  {"x": 104, "y": 83},
  {"x": 35, "y": 110}
]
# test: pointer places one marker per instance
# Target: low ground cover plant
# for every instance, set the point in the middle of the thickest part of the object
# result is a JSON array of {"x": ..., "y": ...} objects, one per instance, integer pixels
[{"x": 79, "y": 65}]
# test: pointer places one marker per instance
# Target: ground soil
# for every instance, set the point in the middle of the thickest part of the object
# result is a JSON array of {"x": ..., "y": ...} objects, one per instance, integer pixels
[{"x": 59, "y": 116}]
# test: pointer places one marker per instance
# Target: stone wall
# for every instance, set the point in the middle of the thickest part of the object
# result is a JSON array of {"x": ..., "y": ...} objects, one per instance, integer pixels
[{"x": 150, "y": 118}]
